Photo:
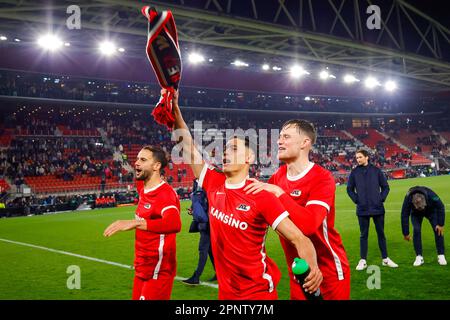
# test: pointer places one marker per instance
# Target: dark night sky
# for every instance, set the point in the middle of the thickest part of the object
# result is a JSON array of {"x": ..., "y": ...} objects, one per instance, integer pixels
[{"x": 436, "y": 9}]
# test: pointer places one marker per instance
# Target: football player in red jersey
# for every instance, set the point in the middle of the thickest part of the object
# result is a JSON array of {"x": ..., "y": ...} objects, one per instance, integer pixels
[
  {"x": 156, "y": 222},
  {"x": 307, "y": 191},
  {"x": 239, "y": 223}
]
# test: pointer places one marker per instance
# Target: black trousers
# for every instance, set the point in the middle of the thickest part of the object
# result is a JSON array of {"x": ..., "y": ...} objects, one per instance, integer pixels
[
  {"x": 364, "y": 224},
  {"x": 417, "y": 233},
  {"x": 204, "y": 249}
]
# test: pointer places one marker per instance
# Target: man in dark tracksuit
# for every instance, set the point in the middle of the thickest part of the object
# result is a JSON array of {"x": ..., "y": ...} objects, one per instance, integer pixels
[
  {"x": 368, "y": 188},
  {"x": 422, "y": 202},
  {"x": 200, "y": 224}
]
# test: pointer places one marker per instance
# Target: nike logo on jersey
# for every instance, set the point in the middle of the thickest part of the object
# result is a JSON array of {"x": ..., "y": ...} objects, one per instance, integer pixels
[
  {"x": 147, "y": 206},
  {"x": 296, "y": 193},
  {"x": 243, "y": 207}
]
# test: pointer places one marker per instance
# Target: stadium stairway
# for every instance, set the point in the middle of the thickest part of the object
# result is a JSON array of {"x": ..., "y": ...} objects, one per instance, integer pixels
[
  {"x": 353, "y": 138},
  {"x": 118, "y": 156},
  {"x": 373, "y": 138},
  {"x": 410, "y": 139},
  {"x": 105, "y": 139},
  {"x": 407, "y": 141},
  {"x": 444, "y": 137},
  {"x": 402, "y": 146}
]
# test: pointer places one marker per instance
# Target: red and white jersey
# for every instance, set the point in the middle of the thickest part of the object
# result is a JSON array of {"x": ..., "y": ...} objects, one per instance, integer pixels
[
  {"x": 315, "y": 186},
  {"x": 239, "y": 225},
  {"x": 155, "y": 254}
]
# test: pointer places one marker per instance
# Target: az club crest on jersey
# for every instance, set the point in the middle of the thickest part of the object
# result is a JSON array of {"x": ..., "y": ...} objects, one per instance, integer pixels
[
  {"x": 243, "y": 207},
  {"x": 296, "y": 193},
  {"x": 147, "y": 206}
]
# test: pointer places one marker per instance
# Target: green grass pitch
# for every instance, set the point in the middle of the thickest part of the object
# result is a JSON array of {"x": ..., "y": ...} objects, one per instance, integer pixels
[{"x": 32, "y": 273}]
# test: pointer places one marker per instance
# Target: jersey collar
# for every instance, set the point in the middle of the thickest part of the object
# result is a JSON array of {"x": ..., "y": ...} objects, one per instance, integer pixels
[
  {"x": 236, "y": 185},
  {"x": 301, "y": 174},
  {"x": 154, "y": 188}
]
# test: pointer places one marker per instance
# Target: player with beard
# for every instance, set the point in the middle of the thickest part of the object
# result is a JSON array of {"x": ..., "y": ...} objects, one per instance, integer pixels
[
  {"x": 156, "y": 222},
  {"x": 239, "y": 222},
  {"x": 307, "y": 191}
]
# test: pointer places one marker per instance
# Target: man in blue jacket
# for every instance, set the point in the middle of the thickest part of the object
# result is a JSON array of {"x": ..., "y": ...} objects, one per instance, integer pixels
[
  {"x": 423, "y": 202},
  {"x": 200, "y": 223},
  {"x": 368, "y": 188}
]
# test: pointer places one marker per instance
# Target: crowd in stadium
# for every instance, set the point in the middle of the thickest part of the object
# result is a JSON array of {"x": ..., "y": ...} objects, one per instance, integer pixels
[
  {"x": 62, "y": 157},
  {"x": 69, "y": 142},
  {"x": 13, "y": 83},
  {"x": 65, "y": 156},
  {"x": 26, "y": 205}
]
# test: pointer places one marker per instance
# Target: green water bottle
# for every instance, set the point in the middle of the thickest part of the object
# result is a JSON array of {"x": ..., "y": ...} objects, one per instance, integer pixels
[{"x": 301, "y": 270}]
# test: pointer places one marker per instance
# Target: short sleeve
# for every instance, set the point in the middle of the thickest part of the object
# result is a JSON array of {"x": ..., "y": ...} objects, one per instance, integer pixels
[
  {"x": 169, "y": 209},
  {"x": 210, "y": 178},
  {"x": 322, "y": 193},
  {"x": 169, "y": 202},
  {"x": 271, "y": 208}
]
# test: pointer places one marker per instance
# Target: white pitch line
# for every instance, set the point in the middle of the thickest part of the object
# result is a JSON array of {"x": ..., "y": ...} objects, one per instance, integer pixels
[{"x": 212, "y": 285}]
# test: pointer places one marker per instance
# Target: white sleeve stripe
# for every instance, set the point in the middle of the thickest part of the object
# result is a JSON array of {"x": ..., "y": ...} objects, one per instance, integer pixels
[
  {"x": 320, "y": 203},
  {"x": 167, "y": 208},
  {"x": 280, "y": 218},
  {"x": 201, "y": 178}
]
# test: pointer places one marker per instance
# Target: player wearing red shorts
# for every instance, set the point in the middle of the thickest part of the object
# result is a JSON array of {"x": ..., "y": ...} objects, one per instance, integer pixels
[
  {"x": 239, "y": 223},
  {"x": 156, "y": 222},
  {"x": 307, "y": 191}
]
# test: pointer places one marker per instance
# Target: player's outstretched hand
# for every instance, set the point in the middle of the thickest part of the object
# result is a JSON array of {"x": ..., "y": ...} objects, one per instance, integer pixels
[
  {"x": 179, "y": 122},
  {"x": 257, "y": 186},
  {"x": 175, "y": 105},
  {"x": 119, "y": 225}
]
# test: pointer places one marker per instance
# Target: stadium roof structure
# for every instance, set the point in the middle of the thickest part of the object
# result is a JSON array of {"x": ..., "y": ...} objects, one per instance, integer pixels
[{"x": 410, "y": 45}]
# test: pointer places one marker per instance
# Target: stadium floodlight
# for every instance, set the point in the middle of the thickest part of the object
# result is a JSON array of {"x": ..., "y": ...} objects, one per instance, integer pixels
[
  {"x": 390, "y": 85},
  {"x": 3, "y": 38},
  {"x": 67, "y": 44},
  {"x": 239, "y": 63},
  {"x": 307, "y": 98},
  {"x": 196, "y": 58},
  {"x": 210, "y": 60},
  {"x": 50, "y": 42},
  {"x": 17, "y": 40},
  {"x": 324, "y": 75},
  {"x": 298, "y": 71},
  {"x": 276, "y": 68},
  {"x": 107, "y": 48},
  {"x": 371, "y": 82},
  {"x": 121, "y": 49},
  {"x": 349, "y": 78},
  {"x": 265, "y": 67}
]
